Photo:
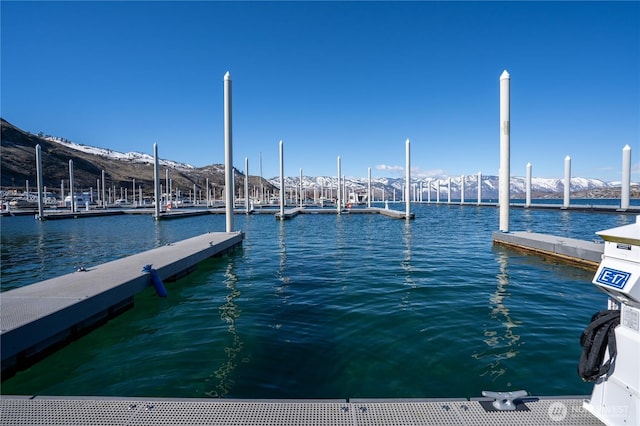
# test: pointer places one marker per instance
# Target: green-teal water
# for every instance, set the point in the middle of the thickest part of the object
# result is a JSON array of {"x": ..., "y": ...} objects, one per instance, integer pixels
[{"x": 323, "y": 306}]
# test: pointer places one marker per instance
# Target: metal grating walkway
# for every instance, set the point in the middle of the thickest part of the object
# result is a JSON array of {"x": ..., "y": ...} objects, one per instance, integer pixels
[{"x": 96, "y": 411}]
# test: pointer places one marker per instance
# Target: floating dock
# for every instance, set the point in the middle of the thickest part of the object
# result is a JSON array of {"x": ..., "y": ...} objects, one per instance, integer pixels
[
  {"x": 569, "y": 250},
  {"x": 153, "y": 411},
  {"x": 396, "y": 214},
  {"x": 39, "y": 318}
]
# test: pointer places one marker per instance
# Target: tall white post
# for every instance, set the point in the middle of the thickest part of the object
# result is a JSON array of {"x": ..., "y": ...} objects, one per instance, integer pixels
[
  {"x": 133, "y": 192},
  {"x": 479, "y": 187},
  {"x": 369, "y": 188},
  {"x": 429, "y": 191},
  {"x": 407, "y": 197},
  {"x": 505, "y": 168},
  {"x": 625, "y": 188},
  {"x": 567, "y": 181},
  {"x": 156, "y": 181},
  {"x": 301, "y": 194},
  {"x": 449, "y": 190},
  {"x": 39, "y": 181},
  {"x": 527, "y": 201},
  {"x": 437, "y": 191},
  {"x": 462, "y": 189},
  {"x": 228, "y": 153},
  {"x": 246, "y": 185},
  {"x": 71, "y": 185},
  {"x": 339, "y": 194},
  {"x": 104, "y": 191},
  {"x": 282, "y": 190},
  {"x": 208, "y": 194}
]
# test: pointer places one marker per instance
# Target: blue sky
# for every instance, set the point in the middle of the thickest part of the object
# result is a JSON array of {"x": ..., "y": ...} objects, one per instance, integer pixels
[{"x": 349, "y": 79}]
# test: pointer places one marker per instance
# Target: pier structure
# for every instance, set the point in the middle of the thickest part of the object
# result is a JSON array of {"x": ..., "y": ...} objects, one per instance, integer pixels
[
  {"x": 39, "y": 318},
  {"x": 228, "y": 154},
  {"x": 505, "y": 132},
  {"x": 582, "y": 253},
  {"x": 557, "y": 411}
]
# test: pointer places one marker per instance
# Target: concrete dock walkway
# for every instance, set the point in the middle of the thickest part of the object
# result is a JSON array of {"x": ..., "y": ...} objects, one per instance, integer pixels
[
  {"x": 38, "y": 318},
  {"x": 578, "y": 252}
]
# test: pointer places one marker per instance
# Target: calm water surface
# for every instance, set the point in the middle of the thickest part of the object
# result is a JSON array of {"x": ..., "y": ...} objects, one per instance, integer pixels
[{"x": 323, "y": 306}]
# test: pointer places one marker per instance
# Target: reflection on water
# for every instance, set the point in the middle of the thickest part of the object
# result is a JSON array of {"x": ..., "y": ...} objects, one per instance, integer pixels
[
  {"x": 503, "y": 342},
  {"x": 229, "y": 312},
  {"x": 406, "y": 263}
]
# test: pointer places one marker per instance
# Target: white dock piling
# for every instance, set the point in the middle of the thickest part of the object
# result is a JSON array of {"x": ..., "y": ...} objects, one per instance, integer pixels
[
  {"x": 626, "y": 178},
  {"x": 246, "y": 185},
  {"x": 282, "y": 190},
  {"x": 505, "y": 132},
  {"x": 527, "y": 201},
  {"x": 369, "y": 188},
  {"x": 39, "y": 181},
  {"x": 408, "y": 180},
  {"x": 104, "y": 193},
  {"x": 133, "y": 192},
  {"x": 73, "y": 201},
  {"x": 567, "y": 182},
  {"x": 461, "y": 189},
  {"x": 449, "y": 190},
  {"x": 479, "y": 187},
  {"x": 429, "y": 191},
  {"x": 156, "y": 181},
  {"x": 301, "y": 193},
  {"x": 339, "y": 192},
  {"x": 228, "y": 154},
  {"x": 437, "y": 191}
]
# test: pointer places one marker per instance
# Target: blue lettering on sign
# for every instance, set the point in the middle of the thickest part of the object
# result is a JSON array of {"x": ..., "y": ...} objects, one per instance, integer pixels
[{"x": 613, "y": 278}]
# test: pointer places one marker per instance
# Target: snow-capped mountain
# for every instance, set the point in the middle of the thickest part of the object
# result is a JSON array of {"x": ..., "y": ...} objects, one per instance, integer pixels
[
  {"x": 134, "y": 157},
  {"x": 539, "y": 186}
]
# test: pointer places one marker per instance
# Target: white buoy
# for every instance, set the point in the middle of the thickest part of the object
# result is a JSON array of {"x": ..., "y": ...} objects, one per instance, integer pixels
[
  {"x": 479, "y": 187},
  {"x": 156, "y": 181},
  {"x": 369, "y": 188},
  {"x": 625, "y": 189},
  {"x": 339, "y": 194},
  {"x": 282, "y": 191},
  {"x": 246, "y": 185},
  {"x": 527, "y": 201},
  {"x": 505, "y": 132},
  {"x": 462, "y": 189},
  {"x": 408, "y": 180},
  {"x": 228, "y": 153},
  {"x": 39, "y": 181},
  {"x": 567, "y": 181},
  {"x": 73, "y": 201}
]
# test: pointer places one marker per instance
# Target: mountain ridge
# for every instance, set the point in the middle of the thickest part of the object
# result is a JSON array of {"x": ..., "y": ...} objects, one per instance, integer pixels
[{"x": 18, "y": 166}]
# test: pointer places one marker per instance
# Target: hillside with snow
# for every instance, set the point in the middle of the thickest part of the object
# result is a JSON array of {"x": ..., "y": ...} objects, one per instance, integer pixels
[
  {"x": 540, "y": 187},
  {"x": 18, "y": 167},
  {"x": 134, "y": 157}
]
